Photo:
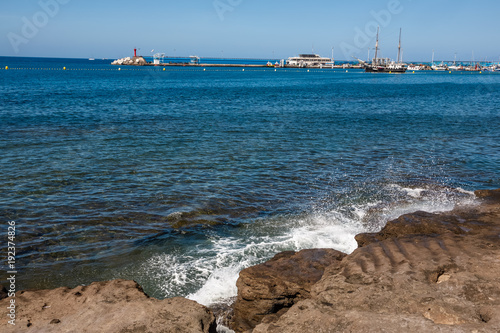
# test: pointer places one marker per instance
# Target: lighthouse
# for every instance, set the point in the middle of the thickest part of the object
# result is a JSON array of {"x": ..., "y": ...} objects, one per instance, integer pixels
[{"x": 135, "y": 53}]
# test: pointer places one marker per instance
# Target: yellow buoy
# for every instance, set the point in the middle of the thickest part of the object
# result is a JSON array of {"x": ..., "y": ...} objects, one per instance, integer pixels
[
  {"x": 119, "y": 69},
  {"x": 413, "y": 72},
  {"x": 163, "y": 68},
  {"x": 64, "y": 68},
  {"x": 449, "y": 72},
  {"x": 6, "y": 67}
]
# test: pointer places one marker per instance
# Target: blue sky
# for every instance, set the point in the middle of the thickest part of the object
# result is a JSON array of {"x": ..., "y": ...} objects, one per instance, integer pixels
[{"x": 250, "y": 28}]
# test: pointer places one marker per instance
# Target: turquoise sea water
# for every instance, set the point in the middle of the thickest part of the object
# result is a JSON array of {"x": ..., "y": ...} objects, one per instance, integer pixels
[{"x": 180, "y": 178}]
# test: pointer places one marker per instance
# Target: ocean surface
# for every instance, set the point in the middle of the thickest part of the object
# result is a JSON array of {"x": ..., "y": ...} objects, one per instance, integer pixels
[{"x": 179, "y": 179}]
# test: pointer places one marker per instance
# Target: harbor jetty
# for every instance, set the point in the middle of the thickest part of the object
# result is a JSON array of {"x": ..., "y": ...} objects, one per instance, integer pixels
[
  {"x": 305, "y": 61},
  {"x": 302, "y": 61},
  {"x": 140, "y": 61}
]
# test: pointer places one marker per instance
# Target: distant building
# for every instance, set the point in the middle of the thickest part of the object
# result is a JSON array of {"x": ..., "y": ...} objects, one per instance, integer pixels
[{"x": 308, "y": 60}]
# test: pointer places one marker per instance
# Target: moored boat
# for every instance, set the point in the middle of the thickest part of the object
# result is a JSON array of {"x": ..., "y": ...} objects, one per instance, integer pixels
[
  {"x": 413, "y": 67},
  {"x": 384, "y": 65},
  {"x": 440, "y": 67}
]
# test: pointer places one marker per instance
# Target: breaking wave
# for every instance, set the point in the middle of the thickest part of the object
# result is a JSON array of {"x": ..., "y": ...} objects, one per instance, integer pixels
[{"x": 208, "y": 271}]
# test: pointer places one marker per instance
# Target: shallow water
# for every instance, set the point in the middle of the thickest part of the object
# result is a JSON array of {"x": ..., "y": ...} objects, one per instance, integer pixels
[{"x": 178, "y": 179}]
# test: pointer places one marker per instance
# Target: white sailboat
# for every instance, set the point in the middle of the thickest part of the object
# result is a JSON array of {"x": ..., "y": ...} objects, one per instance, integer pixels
[
  {"x": 441, "y": 67},
  {"x": 454, "y": 67}
]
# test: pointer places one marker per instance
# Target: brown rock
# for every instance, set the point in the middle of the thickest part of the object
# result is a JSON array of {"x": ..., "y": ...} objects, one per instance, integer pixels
[
  {"x": 112, "y": 306},
  {"x": 269, "y": 289},
  {"x": 488, "y": 195},
  {"x": 422, "y": 273},
  {"x": 418, "y": 223}
]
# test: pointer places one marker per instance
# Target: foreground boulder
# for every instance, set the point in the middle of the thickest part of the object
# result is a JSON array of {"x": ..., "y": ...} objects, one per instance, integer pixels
[
  {"x": 112, "y": 306},
  {"x": 422, "y": 273},
  {"x": 269, "y": 289}
]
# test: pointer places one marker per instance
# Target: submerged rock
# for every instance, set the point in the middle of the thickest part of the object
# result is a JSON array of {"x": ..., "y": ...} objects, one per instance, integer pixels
[
  {"x": 112, "y": 306},
  {"x": 421, "y": 273}
]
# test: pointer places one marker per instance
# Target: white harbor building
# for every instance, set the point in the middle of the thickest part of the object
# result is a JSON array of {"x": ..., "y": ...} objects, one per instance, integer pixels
[{"x": 309, "y": 60}]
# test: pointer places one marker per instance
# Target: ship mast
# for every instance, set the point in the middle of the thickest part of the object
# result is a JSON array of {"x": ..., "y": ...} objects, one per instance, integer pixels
[
  {"x": 376, "y": 48},
  {"x": 399, "y": 46}
]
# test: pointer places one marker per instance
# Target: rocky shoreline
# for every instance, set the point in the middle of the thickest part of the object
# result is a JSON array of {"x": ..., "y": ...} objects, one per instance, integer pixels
[{"x": 421, "y": 273}]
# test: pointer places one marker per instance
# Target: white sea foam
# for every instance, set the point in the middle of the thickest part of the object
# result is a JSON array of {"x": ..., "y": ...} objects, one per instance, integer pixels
[
  {"x": 318, "y": 231},
  {"x": 461, "y": 190},
  {"x": 430, "y": 199},
  {"x": 414, "y": 192},
  {"x": 219, "y": 287},
  {"x": 323, "y": 231}
]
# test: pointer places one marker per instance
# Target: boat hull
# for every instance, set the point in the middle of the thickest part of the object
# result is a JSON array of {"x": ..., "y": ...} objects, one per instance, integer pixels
[{"x": 370, "y": 69}]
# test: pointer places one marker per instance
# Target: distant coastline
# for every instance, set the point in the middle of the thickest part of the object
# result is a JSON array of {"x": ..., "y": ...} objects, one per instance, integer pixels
[
  {"x": 302, "y": 61},
  {"x": 177, "y": 61}
]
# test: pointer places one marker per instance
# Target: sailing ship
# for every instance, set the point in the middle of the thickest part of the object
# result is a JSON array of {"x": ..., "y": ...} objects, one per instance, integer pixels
[{"x": 384, "y": 65}]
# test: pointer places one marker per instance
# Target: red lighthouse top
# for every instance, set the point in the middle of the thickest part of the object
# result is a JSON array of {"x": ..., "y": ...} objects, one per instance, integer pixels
[{"x": 135, "y": 52}]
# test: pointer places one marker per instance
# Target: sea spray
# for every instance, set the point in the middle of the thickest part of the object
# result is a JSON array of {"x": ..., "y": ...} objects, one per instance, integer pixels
[{"x": 207, "y": 273}]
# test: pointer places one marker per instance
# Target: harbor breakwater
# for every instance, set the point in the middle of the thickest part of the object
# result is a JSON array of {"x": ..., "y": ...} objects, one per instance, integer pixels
[
  {"x": 141, "y": 61},
  {"x": 422, "y": 272}
]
